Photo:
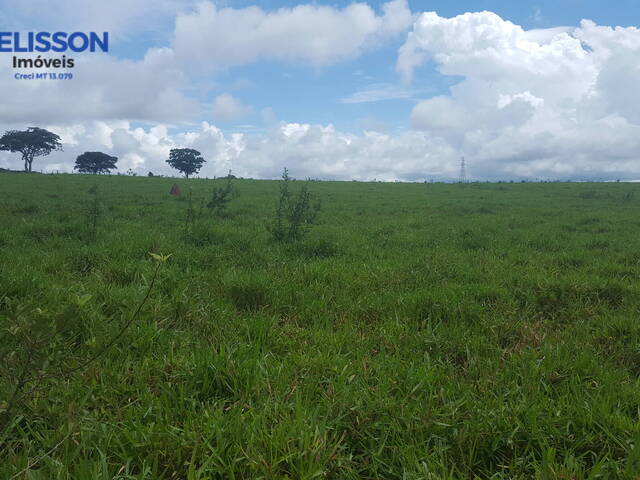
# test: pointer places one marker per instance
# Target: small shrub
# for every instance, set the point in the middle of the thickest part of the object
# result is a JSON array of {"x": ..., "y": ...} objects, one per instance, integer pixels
[
  {"x": 295, "y": 213},
  {"x": 221, "y": 196}
]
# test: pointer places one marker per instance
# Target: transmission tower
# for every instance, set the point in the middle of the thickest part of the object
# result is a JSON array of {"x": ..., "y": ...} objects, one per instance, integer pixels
[{"x": 463, "y": 171}]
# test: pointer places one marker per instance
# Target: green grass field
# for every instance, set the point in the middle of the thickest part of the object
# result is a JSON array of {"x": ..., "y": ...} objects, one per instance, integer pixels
[{"x": 419, "y": 331}]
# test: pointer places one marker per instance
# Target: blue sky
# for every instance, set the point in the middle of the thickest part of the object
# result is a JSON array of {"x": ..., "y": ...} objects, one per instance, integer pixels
[
  {"x": 303, "y": 93},
  {"x": 344, "y": 90},
  {"x": 300, "y": 93}
]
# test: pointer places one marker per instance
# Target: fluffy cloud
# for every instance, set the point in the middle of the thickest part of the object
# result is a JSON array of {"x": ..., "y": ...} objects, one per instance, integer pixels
[
  {"x": 555, "y": 103},
  {"x": 323, "y": 152},
  {"x": 543, "y": 103},
  {"x": 163, "y": 86},
  {"x": 103, "y": 88},
  {"x": 317, "y": 35},
  {"x": 315, "y": 151},
  {"x": 226, "y": 108}
]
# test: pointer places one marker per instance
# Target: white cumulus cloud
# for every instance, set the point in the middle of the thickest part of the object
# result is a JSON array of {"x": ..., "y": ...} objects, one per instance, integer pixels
[
  {"x": 313, "y": 34},
  {"x": 227, "y": 108},
  {"x": 165, "y": 84},
  {"x": 316, "y": 151},
  {"x": 103, "y": 88},
  {"x": 542, "y": 103}
]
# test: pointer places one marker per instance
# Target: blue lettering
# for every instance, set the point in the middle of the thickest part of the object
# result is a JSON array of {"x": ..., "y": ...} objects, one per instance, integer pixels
[
  {"x": 73, "y": 44},
  {"x": 16, "y": 43},
  {"x": 5, "y": 41},
  {"x": 96, "y": 41},
  {"x": 42, "y": 41},
  {"x": 54, "y": 42},
  {"x": 59, "y": 40}
]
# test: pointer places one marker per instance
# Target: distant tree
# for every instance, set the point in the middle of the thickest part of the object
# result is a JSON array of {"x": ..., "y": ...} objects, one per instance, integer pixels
[
  {"x": 95, "y": 162},
  {"x": 32, "y": 142},
  {"x": 186, "y": 160}
]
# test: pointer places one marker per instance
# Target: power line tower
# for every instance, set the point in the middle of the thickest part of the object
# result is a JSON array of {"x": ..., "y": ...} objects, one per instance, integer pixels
[{"x": 463, "y": 171}]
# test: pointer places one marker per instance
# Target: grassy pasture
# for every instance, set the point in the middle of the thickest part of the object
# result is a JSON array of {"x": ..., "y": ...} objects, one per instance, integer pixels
[{"x": 420, "y": 331}]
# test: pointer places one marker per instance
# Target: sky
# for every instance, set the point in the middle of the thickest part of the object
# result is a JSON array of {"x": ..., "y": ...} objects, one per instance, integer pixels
[{"x": 398, "y": 90}]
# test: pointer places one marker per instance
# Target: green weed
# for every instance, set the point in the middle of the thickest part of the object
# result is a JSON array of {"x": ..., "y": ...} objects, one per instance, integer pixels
[{"x": 295, "y": 213}]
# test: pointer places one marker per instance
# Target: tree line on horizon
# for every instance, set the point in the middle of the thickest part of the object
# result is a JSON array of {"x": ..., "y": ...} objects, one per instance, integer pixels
[{"x": 36, "y": 142}]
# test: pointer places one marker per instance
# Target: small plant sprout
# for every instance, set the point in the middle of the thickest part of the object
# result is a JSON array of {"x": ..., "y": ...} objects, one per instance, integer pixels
[{"x": 159, "y": 257}]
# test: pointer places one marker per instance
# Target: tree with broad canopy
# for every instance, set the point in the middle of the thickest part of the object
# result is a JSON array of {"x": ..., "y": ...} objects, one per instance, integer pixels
[
  {"x": 32, "y": 142},
  {"x": 95, "y": 162},
  {"x": 186, "y": 160}
]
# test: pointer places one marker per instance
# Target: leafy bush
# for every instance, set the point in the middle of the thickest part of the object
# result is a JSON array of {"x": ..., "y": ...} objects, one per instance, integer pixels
[
  {"x": 295, "y": 213},
  {"x": 221, "y": 196}
]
